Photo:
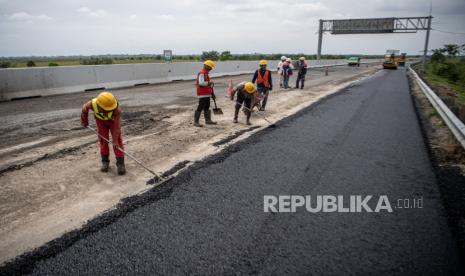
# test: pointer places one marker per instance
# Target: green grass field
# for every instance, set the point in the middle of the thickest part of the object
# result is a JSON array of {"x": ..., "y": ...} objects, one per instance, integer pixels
[{"x": 457, "y": 86}]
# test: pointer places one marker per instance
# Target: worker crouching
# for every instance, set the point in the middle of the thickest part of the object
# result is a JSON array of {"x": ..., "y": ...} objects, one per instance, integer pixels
[
  {"x": 204, "y": 92},
  {"x": 245, "y": 95},
  {"x": 108, "y": 119}
]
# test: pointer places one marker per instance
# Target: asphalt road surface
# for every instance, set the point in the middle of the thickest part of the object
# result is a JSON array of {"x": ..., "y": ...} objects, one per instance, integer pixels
[{"x": 366, "y": 140}]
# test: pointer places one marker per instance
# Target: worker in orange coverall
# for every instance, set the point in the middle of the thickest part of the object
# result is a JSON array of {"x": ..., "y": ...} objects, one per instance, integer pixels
[{"x": 108, "y": 119}]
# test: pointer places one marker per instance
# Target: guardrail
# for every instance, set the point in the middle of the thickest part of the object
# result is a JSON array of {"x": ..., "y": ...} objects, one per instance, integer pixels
[{"x": 455, "y": 125}]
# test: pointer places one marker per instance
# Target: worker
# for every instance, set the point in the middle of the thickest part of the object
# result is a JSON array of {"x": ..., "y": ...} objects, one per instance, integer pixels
[
  {"x": 289, "y": 60},
  {"x": 245, "y": 95},
  {"x": 108, "y": 119},
  {"x": 204, "y": 92},
  {"x": 264, "y": 82},
  {"x": 302, "y": 71},
  {"x": 280, "y": 70},
  {"x": 286, "y": 73}
]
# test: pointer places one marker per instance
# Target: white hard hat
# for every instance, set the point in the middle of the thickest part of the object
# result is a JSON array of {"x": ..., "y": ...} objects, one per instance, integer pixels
[
  {"x": 302, "y": 58},
  {"x": 283, "y": 58},
  {"x": 288, "y": 59}
]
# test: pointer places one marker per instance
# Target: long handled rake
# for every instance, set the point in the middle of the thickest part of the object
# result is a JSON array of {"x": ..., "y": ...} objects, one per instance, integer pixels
[
  {"x": 158, "y": 178},
  {"x": 262, "y": 116}
]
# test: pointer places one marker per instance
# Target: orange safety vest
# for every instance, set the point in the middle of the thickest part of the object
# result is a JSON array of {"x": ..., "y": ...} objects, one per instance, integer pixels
[
  {"x": 203, "y": 90},
  {"x": 263, "y": 79},
  {"x": 99, "y": 114}
]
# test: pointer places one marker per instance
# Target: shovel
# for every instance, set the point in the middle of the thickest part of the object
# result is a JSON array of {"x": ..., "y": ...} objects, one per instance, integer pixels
[{"x": 216, "y": 110}]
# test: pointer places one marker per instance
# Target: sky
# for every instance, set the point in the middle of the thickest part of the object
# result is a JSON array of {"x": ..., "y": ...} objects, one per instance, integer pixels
[{"x": 72, "y": 27}]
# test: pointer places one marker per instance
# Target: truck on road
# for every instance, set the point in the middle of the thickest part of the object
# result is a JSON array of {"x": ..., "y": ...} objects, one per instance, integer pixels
[
  {"x": 353, "y": 61},
  {"x": 391, "y": 59}
]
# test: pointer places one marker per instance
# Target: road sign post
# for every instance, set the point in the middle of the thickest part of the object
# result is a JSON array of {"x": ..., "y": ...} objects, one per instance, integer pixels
[{"x": 168, "y": 55}]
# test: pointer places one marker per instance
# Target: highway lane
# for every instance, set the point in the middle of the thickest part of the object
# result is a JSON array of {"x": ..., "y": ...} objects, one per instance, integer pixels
[{"x": 210, "y": 220}]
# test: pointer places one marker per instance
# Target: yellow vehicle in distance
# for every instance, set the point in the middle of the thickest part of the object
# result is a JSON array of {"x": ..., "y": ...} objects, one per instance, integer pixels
[
  {"x": 402, "y": 59},
  {"x": 391, "y": 59}
]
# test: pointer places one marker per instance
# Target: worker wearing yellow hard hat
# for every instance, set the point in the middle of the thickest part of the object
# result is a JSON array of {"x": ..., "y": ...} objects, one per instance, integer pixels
[
  {"x": 245, "y": 96},
  {"x": 107, "y": 115},
  {"x": 204, "y": 93},
  {"x": 264, "y": 82}
]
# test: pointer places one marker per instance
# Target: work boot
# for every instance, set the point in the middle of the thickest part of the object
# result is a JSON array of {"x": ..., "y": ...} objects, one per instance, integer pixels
[
  {"x": 248, "y": 118},
  {"x": 121, "y": 169},
  {"x": 105, "y": 163},
  {"x": 197, "y": 119},
  {"x": 236, "y": 113},
  {"x": 208, "y": 117}
]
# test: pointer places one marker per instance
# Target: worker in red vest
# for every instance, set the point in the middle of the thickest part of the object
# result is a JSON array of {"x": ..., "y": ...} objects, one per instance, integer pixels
[
  {"x": 204, "y": 92},
  {"x": 264, "y": 83},
  {"x": 108, "y": 119}
]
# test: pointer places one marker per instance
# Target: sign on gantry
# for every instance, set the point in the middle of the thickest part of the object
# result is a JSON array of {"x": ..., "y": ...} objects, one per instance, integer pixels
[{"x": 375, "y": 26}]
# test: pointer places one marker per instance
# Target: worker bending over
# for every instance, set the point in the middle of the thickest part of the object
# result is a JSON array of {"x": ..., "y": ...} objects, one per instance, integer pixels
[
  {"x": 204, "y": 92},
  {"x": 245, "y": 95},
  {"x": 264, "y": 82},
  {"x": 107, "y": 115}
]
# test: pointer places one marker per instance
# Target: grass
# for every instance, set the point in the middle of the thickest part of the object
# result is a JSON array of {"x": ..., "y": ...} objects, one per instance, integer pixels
[
  {"x": 457, "y": 87},
  {"x": 432, "y": 113}
]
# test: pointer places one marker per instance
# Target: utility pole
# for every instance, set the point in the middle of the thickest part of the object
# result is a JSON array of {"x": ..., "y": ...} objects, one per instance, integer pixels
[
  {"x": 320, "y": 39},
  {"x": 423, "y": 62}
]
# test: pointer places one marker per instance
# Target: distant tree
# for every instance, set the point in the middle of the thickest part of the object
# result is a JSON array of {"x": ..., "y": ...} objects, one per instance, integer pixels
[
  {"x": 438, "y": 56},
  {"x": 5, "y": 64},
  {"x": 51, "y": 64},
  {"x": 30, "y": 63},
  {"x": 213, "y": 55},
  {"x": 225, "y": 55},
  {"x": 452, "y": 49}
]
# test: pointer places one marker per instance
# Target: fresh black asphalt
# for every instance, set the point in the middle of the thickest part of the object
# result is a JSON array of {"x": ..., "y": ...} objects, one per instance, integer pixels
[{"x": 366, "y": 140}]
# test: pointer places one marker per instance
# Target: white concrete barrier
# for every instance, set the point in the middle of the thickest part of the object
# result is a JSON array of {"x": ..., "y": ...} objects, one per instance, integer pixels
[{"x": 44, "y": 81}]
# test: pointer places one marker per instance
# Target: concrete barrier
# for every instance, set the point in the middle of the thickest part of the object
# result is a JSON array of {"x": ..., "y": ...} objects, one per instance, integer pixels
[{"x": 18, "y": 83}]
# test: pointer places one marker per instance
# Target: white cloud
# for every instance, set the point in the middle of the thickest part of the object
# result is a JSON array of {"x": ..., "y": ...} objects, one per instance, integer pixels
[
  {"x": 24, "y": 16},
  {"x": 93, "y": 13},
  {"x": 164, "y": 17},
  {"x": 83, "y": 10}
]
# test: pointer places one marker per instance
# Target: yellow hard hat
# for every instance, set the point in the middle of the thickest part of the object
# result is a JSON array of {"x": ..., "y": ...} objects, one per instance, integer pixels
[
  {"x": 263, "y": 62},
  {"x": 249, "y": 87},
  {"x": 209, "y": 63},
  {"x": 107, "y": 101}
]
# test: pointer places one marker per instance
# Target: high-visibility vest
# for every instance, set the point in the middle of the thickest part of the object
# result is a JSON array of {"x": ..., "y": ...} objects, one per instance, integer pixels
[
  {"x": 263, "y": 79},
  {"x": 100, "y": 115},
  {"x": 203, "y": 90}
]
